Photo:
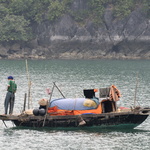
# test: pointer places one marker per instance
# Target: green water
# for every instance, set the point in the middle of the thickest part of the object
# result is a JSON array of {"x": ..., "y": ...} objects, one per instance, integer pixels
[{"x": 72, "y": 76}]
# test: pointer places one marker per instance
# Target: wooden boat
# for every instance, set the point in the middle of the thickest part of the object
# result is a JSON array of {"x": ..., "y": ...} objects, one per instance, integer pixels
[{"x": 104, "y": 114}]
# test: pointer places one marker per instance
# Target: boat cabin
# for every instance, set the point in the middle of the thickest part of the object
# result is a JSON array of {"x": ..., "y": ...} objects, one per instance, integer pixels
[{"x": 107, "y": 103}]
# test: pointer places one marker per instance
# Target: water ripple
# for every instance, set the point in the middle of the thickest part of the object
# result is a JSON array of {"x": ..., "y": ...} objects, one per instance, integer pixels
[{"x": 72, "y": 76}]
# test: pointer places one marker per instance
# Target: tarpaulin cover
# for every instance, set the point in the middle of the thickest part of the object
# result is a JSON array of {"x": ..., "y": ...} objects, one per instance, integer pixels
[
  {"x": 54, "y": 111},
  {"x": 72, "y": 103}
]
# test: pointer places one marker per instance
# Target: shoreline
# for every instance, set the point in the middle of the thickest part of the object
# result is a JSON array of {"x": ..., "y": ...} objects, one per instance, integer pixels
[{"x": 71, "y": 58}]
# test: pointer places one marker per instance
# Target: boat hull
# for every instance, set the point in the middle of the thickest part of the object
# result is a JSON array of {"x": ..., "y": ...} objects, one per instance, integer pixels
[{"x": 89, "y": 120}]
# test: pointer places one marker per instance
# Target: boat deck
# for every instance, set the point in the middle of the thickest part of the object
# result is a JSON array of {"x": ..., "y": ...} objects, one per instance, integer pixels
[{"x": 110, "y": 114}]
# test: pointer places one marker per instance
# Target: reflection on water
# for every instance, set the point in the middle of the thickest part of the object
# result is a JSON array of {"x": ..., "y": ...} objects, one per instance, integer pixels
[{"x": 84, "y": 129}]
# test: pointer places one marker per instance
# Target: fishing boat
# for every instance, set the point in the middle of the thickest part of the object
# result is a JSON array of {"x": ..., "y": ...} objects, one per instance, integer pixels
[{"x": 89, "y": 111}]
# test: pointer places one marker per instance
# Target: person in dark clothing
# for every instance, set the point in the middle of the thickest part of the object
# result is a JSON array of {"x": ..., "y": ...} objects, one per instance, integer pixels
[{"x": 10, "y": 96}]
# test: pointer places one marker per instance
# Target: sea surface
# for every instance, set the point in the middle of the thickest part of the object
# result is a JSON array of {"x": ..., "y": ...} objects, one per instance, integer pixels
[{"x": 131, "y": 77}]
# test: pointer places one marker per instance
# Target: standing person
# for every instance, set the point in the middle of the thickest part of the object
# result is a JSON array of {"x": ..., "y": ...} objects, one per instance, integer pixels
[{"x": 10, "y": 96}]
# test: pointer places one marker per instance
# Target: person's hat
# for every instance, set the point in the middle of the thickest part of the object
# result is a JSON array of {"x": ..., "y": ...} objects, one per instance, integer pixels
[{"x": 10, "y": 77}]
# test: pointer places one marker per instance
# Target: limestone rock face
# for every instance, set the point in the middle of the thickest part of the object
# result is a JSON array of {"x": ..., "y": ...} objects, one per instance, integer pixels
[{"x": 128, "y": 38}]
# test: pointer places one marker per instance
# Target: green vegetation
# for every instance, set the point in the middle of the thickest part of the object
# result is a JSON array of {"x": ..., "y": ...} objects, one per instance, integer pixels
[
  {"x": 14, "y": 27},
  {"x": 57, "y": 8},
  {"x": 123, "y": 8},
  {"x": 18, "y": 16}
]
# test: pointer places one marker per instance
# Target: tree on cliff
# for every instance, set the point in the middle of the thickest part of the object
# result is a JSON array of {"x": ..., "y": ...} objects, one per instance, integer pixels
[
  {"x": 18, "y": 17},
  {"x": 14, "y": 27}
]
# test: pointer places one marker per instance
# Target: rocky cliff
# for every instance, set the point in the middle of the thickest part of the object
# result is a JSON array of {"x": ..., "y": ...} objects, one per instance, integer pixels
[{"x": 127, "y": 38}]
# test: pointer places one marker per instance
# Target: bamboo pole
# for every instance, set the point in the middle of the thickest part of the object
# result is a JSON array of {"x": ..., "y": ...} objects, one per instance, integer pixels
[
  {"x": 135, "y": 91},
  {"x": 24, "y": 106},
  {"x": 48, "y": 103},
  {"x": 29, "y": 86},
  {"x": 59, "y": 90},
  {"x": 4, "y": 123}
]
